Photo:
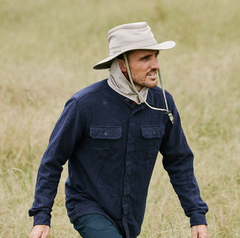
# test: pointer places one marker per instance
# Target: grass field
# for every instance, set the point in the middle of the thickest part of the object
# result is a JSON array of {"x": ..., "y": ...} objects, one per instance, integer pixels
[{"x": 47, "y": 50}]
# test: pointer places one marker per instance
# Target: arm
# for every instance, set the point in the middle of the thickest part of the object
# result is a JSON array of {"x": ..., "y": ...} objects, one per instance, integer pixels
[
  {"x": 66, "y": 133},
  {"x": 178, "y": 162}
]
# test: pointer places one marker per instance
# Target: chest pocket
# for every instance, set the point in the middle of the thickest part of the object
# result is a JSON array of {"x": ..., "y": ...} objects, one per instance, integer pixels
[
  {"x": 106, "y": 132},
  {"x": 151, "y": 141},
  {"x": 105, "y": 142},
  {"x": 151, "y": 132}
]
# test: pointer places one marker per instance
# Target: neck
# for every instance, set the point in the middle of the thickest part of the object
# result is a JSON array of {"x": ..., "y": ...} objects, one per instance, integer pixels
[{"x": 138, "y": 87}]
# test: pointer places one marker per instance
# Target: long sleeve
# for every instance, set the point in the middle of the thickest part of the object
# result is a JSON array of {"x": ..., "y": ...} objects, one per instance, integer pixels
[
  {"x": 178, "y": 162},
  {"x": 61, "y": 145}
]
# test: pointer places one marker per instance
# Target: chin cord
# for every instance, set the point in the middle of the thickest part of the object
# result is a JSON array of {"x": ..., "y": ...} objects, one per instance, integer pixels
[{"x": 161, "y": 84}]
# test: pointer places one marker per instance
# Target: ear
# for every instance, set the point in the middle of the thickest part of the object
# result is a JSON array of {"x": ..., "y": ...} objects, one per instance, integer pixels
[{"x": 122, "y": 65}]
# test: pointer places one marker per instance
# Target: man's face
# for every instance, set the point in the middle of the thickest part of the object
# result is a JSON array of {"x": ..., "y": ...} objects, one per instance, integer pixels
[{"x": 143, "y": 66}]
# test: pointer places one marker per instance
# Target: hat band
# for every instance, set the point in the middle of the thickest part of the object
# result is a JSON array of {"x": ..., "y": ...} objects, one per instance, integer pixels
[{"x": 150, "y": 44}]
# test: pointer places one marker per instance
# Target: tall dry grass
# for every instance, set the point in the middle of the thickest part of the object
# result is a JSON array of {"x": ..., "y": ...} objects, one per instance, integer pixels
[{"x": 47, "y": 50}]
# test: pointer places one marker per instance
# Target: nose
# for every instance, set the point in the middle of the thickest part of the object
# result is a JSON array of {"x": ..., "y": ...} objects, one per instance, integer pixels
[{"x": 154, "y": 63}]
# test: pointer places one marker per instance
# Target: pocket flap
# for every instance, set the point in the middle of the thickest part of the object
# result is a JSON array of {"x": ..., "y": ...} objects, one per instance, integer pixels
[
  {"x": 106, "y": 132},
  {"x": 155, "y": 131}
]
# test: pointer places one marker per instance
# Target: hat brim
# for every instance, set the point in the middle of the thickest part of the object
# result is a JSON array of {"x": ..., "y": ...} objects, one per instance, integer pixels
[{"x": 106, "y": 63}]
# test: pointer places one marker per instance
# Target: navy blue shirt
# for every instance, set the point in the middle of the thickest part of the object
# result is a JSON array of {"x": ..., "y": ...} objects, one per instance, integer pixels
[{"x": 111, "y": 146}]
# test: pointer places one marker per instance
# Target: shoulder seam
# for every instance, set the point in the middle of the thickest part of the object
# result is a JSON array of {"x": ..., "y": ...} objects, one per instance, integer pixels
[{"x": 89, "y": 93}]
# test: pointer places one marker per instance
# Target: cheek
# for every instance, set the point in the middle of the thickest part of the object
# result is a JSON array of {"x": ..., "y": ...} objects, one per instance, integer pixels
[{"x": 139, "y": 74}]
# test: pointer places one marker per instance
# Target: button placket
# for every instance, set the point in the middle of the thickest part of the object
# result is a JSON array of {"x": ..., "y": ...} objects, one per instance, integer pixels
[{"x": 128, "y": 167}]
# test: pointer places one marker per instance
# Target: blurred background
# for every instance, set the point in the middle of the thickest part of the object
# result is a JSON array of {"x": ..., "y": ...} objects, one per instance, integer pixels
[{"x": 47, "y": 50}]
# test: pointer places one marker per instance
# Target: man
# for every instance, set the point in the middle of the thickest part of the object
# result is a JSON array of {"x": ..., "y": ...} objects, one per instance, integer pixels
[{"x": 110, "y": 134}]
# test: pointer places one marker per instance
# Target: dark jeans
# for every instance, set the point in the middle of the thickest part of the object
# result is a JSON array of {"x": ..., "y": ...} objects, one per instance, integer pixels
[{"x": 96, "y": 226}]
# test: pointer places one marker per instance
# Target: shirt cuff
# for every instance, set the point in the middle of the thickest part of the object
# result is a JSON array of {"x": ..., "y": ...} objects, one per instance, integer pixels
[
  {"x": 198, "y": 219},
  {"x": 42, "y": 218}
]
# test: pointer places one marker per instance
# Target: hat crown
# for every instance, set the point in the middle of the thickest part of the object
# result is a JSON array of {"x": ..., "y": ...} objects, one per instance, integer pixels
[{"x": 129, "y": 37}]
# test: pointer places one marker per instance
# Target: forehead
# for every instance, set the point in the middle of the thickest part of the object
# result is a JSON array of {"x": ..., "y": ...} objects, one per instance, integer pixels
[{"x": 141, "y": 53}]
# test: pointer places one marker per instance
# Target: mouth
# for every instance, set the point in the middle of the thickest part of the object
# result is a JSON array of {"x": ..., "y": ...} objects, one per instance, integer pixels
[{"x": 152, "y": 75}]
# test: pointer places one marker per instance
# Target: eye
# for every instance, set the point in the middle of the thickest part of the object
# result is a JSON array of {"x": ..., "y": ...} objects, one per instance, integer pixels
[{"x": 147, "y": 57}]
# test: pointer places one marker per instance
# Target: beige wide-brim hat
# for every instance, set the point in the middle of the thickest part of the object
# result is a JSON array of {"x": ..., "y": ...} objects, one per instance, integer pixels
[{"x": 132, "y": 36}]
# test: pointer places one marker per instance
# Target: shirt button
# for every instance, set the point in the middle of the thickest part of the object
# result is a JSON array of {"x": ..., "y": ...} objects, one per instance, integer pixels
[
  {"x": 128, "y": 158},
  {"x": 154, "y": 132},
  {"x": 125, "y": 199},
  {"x": 127, "y": 100},
  {"x": 105, "y": 133}
]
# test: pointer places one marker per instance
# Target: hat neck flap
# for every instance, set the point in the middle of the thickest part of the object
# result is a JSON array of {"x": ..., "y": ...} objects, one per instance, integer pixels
[{"x": 118, "y": 82}]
